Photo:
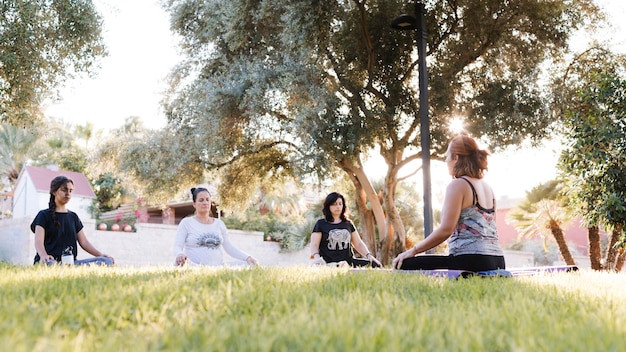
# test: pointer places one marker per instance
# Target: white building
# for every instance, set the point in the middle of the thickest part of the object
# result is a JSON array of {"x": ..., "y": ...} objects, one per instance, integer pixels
[{"x": 32, "y": 192}]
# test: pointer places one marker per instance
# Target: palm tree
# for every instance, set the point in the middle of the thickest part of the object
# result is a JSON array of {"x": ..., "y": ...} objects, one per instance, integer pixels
[
  {"x": 17, "y": 146},
  {"x": 84, "y": 132},
  {"x": 543, "y": 213},
  {"x": 133, "y": 126},
  {"x": 284, "y": 200}
]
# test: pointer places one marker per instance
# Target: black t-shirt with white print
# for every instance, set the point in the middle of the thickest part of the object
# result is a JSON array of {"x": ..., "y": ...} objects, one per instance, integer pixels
[{"x": 335, "y": 244}]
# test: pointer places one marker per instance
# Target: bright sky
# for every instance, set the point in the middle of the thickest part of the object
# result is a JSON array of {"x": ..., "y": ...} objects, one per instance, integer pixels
[
  {"x": 142, "y": 51},
  {"x": 513, "y": 173}
]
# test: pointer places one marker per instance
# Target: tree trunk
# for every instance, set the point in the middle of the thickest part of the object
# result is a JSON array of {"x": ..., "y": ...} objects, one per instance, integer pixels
[
  {"x": 611, "y": 253},
  {"x": 388, "y": 253},
  {"x": 557, "y": 232},
  {"x": 398, "y": 242},
  {"x": 367, "y": 223},
  {"x": 360, "y": 180},
  {"x": 595, "y": 250},
  {"x": 619, "y": 263}
]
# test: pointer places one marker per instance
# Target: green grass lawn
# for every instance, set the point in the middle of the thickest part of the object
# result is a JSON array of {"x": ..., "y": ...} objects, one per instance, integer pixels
[{"x": 305, "y": 309}]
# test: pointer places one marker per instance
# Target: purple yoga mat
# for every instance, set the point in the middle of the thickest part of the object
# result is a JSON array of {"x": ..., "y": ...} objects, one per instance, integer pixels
[
  {"x": 542, "y": 270},
  {"x": 447, "y": 273}
]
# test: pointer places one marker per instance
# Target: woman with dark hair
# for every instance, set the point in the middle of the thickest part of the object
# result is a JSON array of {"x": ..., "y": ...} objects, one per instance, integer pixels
[
  {"x": 334, "y": 237},
  {"x": 468, "y": 218},
  {"x": 57, "y": 229},
  {"x": 200, "y": 238}
]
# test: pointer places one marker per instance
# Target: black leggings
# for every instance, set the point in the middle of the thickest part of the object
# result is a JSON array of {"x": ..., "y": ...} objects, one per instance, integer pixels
[
  {"x": 354, "y": 262},
  {"x": 470, "y": 262}
]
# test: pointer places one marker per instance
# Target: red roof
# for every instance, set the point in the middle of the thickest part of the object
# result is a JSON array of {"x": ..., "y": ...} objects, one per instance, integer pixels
[{"x": 42, "y": 177}]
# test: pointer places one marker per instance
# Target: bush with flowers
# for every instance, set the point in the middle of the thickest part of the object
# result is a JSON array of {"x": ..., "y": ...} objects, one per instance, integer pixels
[{"x": 125, "y": 218}]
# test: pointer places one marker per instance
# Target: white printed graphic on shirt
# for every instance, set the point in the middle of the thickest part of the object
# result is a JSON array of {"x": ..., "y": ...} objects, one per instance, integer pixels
[
  {"x": 211, "y": 240},
  {"x": 338, "y": 238}
]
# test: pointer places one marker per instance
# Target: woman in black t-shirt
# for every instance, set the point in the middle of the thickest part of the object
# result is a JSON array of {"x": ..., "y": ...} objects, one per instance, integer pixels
[
  {"x": 334, "y": 237},
  {"x": 58, "y": 229}
]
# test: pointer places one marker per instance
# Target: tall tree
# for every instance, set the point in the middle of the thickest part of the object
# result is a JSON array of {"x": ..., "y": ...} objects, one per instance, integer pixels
[
  {"x": 310, "y": 85},
  {"x": 593, "y": 162},
  {"x": 43, "y": 42},
  {"x": 582, "y": 95}
]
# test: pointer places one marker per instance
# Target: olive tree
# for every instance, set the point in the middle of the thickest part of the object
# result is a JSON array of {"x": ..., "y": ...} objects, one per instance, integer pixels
[
  {"x": 42, "y": 43},
  {"x": 309, "y": 87}
]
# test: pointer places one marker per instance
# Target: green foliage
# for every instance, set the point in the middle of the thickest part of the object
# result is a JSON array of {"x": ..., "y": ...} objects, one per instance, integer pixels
[
  {"x": 299, "y": 88},
  {"x": 17, "y": 146},
  {"x": 545, "y": 202},
  {"x": 50, "y": 143},
  {"x": 296, "y": 237},
  {"x": 154, "y": 165},
  {"x": 253, "y": 221},
  {"x": 74, "y": 159},
  {"x": 43, "y": 42},
  {"x": 84, "y": 132},
  {"x": 280, "y": 213},
  {"x": 544, "y": 213},
  {"x": 109, "y": 191},
  {"x": 289, "y": 309},
  {"x": 293, "y": 232},
  {"x": 58, "y": 147},
  {"x": 593, "y": 162}
]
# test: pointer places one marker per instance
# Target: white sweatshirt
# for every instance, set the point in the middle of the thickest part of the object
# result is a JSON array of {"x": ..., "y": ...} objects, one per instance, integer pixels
[{"x": 202, "y": 243}]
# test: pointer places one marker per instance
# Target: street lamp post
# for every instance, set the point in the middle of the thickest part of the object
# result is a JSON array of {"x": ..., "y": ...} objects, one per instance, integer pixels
[{"x": 406, "y": 22}]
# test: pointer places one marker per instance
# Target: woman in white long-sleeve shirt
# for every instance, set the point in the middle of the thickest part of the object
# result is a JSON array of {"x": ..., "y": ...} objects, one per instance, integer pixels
[{"x": 200, "y": 238}]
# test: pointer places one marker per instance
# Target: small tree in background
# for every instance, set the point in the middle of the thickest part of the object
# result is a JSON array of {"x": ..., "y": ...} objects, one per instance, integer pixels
[
  {"x": 544, "y": 213},
  {"x": 109, "y": 191}
]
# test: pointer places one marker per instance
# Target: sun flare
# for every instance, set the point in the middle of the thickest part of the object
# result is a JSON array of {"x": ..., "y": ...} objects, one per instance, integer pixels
[{"x": 456, "y": 125}]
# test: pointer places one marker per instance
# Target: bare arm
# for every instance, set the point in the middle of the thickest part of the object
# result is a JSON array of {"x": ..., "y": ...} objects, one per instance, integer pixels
[
  {"x": 316, "y": 237},
  {"x": 88, "y": 247},
  {"x": 40, "y": 235},
  {"x": 361, "y": 247},
  {"x": 452, "y": 205}
]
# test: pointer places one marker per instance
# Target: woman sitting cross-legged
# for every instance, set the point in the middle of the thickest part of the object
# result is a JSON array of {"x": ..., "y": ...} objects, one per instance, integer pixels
[
  {"x": 468, "y": 218},
  {"x": 201, "y": 238},
  {"x": 334, "y": 237}
]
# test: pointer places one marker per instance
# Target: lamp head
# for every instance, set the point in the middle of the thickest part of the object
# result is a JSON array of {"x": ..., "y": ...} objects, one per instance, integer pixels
[{"x": 404, "y": 22}]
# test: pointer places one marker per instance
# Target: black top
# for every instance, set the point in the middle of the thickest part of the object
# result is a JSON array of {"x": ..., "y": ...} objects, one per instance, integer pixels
[
  {"x": 57, "y": 239},
  {"x": 475, "y": 198},
  {"x": 335, "y": 244}
]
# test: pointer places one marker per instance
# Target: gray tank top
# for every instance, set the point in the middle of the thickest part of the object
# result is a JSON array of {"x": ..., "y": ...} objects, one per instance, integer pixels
[{"x": 475, "y": 231}]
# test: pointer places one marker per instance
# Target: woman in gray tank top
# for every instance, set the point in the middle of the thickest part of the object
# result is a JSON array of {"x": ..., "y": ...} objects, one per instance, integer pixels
[{"x": 468, "y": 220}]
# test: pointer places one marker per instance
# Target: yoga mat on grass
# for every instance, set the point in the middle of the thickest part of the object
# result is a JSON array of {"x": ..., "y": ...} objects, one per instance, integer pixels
[
  {"x": 456, "y": 274},
  {"x": 445, "y": 273},
  {"x": 542, "y": 270}
]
